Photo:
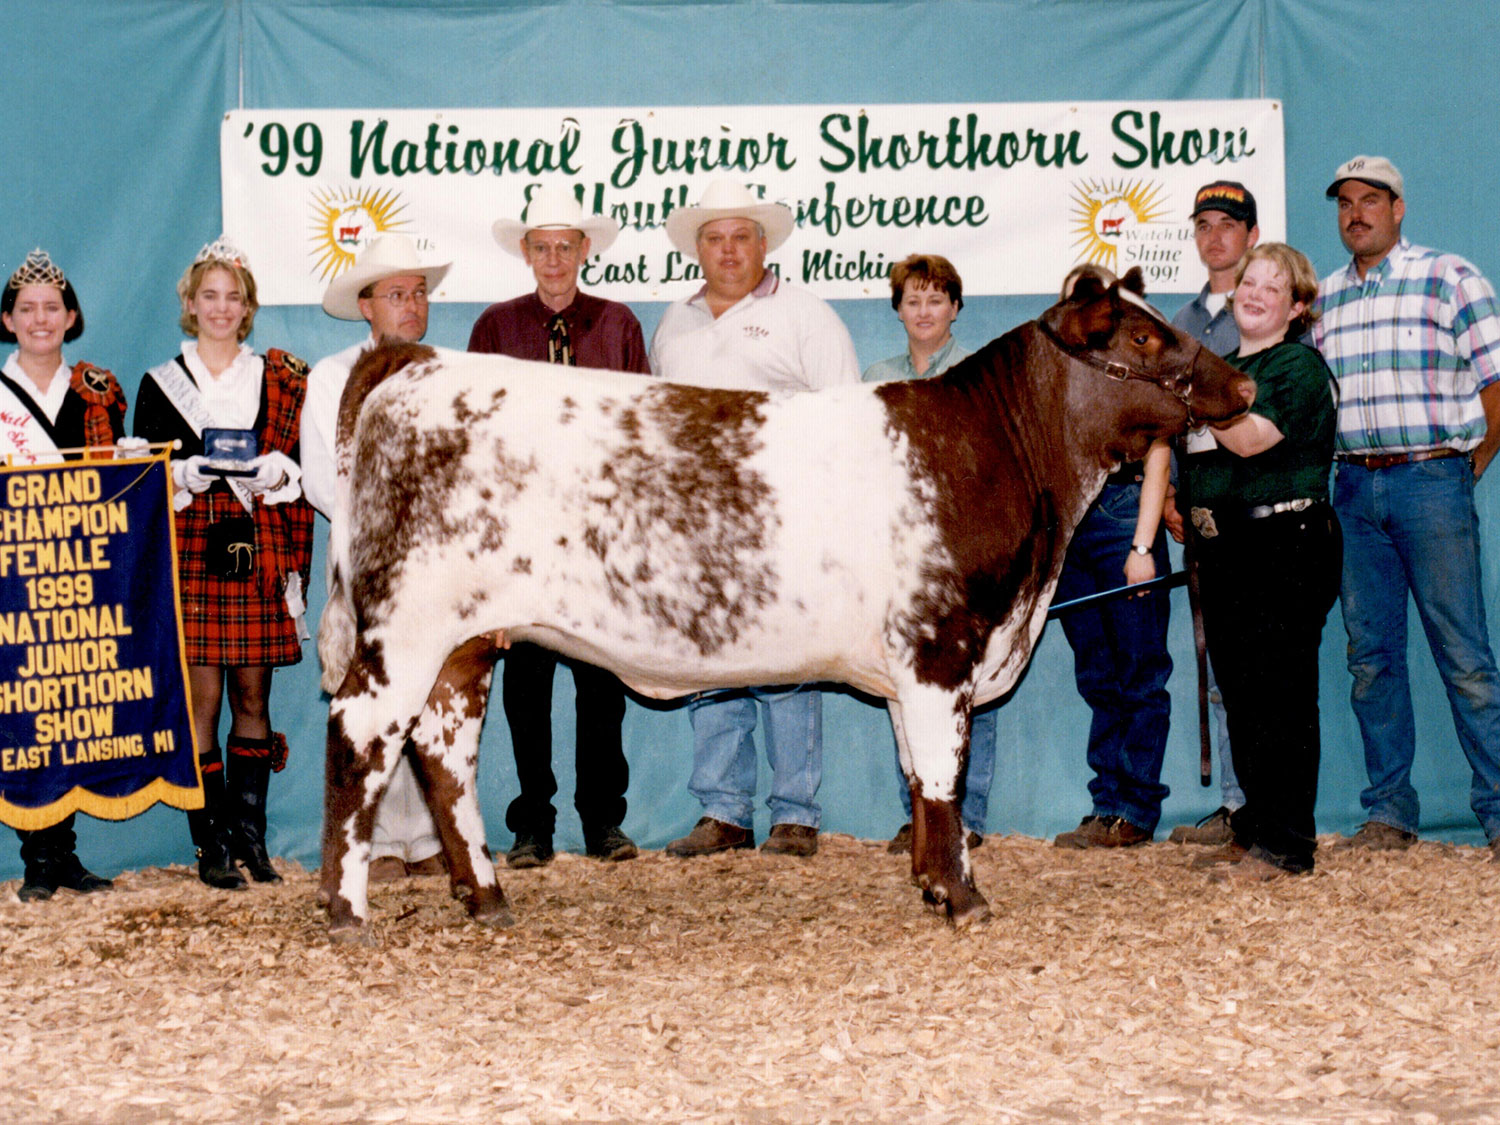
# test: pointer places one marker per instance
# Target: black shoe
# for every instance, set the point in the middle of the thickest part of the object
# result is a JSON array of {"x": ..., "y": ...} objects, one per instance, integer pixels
[
  {"x": 529, "y": 851},
  {"x": 70, "y": 873},
  {"x": 610, "y": 844},
  {"x": 39, "y": 885}
]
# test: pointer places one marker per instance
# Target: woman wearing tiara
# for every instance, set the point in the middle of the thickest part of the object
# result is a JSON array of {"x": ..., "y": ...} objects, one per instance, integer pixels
[
  {"x": 244, "y": 545},
  {"x": 46, "y": 406}
]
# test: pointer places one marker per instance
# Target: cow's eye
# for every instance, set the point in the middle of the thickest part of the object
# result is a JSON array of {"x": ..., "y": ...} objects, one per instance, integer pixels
[{"x": 1142, "y": 339}]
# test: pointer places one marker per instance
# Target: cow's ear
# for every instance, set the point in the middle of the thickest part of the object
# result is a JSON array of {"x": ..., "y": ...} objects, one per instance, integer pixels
[
  {"x": 1135, "y": 281},
  {"x": 1091, "y": 324},
  {"x": 1087, "y": 288}
]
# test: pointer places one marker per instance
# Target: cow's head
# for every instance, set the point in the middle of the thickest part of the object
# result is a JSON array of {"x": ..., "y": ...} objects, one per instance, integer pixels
[{"x": 1134, "y": 372}]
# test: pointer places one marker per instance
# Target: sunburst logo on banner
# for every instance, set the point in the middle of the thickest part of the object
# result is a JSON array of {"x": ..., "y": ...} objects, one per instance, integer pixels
[
  {"x": 1108, "y": 211},
  {"x": 345, "y": 219}
]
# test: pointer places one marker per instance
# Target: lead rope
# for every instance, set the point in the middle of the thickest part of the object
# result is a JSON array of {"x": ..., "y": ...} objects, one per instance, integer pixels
[{"x": 1200, "y": 651}]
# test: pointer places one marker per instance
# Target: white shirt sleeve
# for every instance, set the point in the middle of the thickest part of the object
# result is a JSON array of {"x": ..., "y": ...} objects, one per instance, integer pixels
[{"x": 320, "y": 418}]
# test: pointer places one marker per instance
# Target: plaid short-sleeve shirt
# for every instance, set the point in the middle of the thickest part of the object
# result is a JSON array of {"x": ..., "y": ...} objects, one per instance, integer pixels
[{"x": 1410, "y": 346}]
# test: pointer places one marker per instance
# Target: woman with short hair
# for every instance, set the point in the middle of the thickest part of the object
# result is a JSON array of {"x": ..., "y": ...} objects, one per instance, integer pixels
[
  {"x": 1270, "y": 554},
  {"x": 927, "y": 294}
]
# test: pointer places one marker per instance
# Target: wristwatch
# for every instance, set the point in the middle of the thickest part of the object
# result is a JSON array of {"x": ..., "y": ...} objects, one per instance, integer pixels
[{"x": 1138, "y": 549}]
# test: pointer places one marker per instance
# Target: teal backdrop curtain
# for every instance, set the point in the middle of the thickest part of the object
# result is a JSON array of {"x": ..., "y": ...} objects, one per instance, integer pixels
[{"x": 111, "y": 128}]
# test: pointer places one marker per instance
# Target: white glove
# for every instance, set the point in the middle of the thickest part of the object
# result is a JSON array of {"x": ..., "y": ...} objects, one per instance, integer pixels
[
  {"x": 277, "y": 478},
  {"x": 188, "y": 473},
  {"x": 131, "y": 447},
  {"x": 190, "y": 479}
]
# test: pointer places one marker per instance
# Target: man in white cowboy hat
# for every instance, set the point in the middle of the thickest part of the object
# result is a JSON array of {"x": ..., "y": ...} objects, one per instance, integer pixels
[
  {"x": 746, "y": 329},
  {"x": 558, "y": 324},
  {"x": 388, "y": 286}
]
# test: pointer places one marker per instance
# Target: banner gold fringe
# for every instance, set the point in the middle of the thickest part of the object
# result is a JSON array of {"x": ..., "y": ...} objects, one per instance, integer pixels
[{"x": 78, "y": 799}]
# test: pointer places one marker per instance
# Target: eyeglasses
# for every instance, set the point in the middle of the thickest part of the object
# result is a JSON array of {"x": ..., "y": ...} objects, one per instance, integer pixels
[
  {"x": 396, "y": 298},
  {"x": 554, "y": 249}
]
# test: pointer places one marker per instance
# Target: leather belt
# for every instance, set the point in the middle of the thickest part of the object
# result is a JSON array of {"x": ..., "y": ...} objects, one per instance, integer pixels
[
  {"x": 1261, "y": 511},
  {"x": 1203, "y": 518},
  {"x": 1388, "y": 460}
]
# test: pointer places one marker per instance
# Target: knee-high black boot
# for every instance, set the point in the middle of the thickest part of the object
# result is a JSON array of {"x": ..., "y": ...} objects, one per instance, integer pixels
[
  {"x": 247, "y": 777},
  {"x": 209, "y": 830}
]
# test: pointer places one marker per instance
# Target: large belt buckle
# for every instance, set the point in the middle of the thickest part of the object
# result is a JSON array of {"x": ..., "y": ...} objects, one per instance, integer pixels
[{"x": 1203, "y": 520}]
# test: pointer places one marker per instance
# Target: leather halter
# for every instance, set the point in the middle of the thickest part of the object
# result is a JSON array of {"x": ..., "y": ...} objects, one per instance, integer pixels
[{"x": 1179, "y": 387}]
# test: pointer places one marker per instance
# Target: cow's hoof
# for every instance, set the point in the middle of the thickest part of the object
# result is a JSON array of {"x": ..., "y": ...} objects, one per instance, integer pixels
[
  {"x": 356, "y": 934},
  {"x": 497, "y": 918},
  {"x": 488, "y": 907},
  {"x": 975, "y": 912}
]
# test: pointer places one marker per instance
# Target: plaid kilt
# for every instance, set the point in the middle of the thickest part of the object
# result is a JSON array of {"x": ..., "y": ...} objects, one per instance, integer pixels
[{"x": 228, "y": 622}]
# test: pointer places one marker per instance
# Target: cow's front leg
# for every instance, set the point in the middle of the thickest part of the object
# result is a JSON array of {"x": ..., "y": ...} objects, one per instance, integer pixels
[
  {"x": 445, "y": 744},
  {"x": 932, "y": 732},
  {"x": 368, "y": 723}
]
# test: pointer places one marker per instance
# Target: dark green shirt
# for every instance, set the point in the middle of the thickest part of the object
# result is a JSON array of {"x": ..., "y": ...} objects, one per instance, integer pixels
[{"x": 1292, "y": 392}]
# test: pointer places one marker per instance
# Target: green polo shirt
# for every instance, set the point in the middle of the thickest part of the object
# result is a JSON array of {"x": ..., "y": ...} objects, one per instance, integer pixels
[{"x": 1292, "y": 392}]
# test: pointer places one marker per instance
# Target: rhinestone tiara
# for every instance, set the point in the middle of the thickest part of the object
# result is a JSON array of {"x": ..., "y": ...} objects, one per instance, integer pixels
[
  {"x": 222, "y": 250},
  {"x": 37, "y": 269}
]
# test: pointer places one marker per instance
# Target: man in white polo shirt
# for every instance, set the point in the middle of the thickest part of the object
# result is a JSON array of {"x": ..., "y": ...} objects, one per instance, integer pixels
[
  {"x": 745, "y": 329},
  {"x": 388, "y": 287}
]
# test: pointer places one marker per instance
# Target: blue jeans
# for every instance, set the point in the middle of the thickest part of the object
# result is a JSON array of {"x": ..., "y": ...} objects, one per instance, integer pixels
[
  {"x": 978, "y": 775},
  {"x": 1414, "y": 528},
  {"x": 724, "y": 763},
  {"x": 1120, "y": 660}
]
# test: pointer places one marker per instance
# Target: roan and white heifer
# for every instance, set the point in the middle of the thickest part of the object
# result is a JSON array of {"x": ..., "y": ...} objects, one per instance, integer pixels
[{"x": 903, "y": 538}]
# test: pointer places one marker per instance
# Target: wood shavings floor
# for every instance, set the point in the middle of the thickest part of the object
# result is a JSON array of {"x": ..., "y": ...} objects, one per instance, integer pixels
[{"x": 746, "y": 988}]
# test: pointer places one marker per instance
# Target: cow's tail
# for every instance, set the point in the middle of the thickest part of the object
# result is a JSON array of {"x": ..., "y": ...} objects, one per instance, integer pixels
[{"x": 336, "y": 630}]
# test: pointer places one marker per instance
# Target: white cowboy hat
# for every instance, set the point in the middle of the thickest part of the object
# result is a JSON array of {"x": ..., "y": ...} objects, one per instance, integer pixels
[
  {"x": 390, "y": 255},
  {"x": 728, "y": 199},
  {"x": 555, "y": 208}
]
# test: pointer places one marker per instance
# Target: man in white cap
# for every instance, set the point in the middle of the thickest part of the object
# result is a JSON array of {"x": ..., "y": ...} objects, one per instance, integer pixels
[
  {"x": 389, "y": 287},
  {"x": 1413, "y": 339},
  {"x": 746, "y": 329},
  {"x": 558, "y": 324}
]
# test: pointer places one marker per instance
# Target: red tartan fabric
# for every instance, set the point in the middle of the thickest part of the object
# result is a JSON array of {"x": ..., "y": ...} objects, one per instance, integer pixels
[
  {"x": 228, "y": 622},
  {"x": 283, "y": 532},
  {"x": 232, "y": 623},
  {"x": 104, "y": 412}
]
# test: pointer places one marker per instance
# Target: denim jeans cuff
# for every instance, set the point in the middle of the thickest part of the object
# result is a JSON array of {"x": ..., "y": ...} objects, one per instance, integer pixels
[
  {"x": 802, "y": 819},
  {"x": 729, "y": 816}
]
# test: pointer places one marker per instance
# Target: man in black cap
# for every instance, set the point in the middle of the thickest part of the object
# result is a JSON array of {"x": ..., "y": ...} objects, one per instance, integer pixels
[{"x": 1224, "y": 228}]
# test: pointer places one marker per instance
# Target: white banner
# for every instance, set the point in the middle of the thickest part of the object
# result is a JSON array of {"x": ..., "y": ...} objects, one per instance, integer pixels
[{"x": 1013, "y": 194}]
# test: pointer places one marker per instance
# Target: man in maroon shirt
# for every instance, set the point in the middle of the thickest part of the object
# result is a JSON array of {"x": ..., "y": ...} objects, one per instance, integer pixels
[{"x": 559, "y": 324}]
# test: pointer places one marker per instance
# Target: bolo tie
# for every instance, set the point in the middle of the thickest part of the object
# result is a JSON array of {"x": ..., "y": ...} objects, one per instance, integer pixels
[{"x": 559, "y": 345}]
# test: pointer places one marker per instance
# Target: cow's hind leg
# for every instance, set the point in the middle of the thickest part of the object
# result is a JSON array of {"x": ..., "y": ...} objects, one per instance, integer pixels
[
  {"x": 931, "y": 729},
  {"x": 368, "y": 723},
  {"x": 445, "y": 744}
]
